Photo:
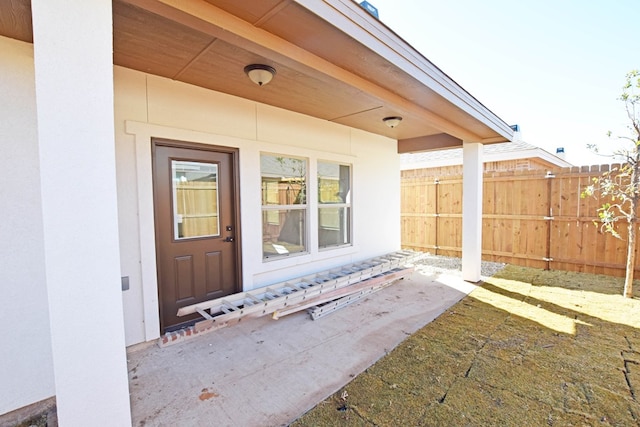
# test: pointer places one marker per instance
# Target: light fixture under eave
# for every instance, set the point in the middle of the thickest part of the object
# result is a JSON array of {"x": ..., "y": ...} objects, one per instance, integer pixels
[
  {"x": 392, "y": 122},
  {"x": 260, "y": 74}
]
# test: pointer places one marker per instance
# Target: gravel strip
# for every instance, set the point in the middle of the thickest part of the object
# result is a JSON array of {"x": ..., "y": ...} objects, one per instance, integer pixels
[{"x": 437, "y": 264}]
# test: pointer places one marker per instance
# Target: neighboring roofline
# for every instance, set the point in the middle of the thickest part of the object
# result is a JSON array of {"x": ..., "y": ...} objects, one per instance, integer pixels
[
  {"x": 362, "y": 26},
  {"x": 492, "y": 157}
]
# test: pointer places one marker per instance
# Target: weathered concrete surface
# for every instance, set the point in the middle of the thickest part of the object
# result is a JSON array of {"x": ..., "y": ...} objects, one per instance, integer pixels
[{"x": 264, "y": 372}]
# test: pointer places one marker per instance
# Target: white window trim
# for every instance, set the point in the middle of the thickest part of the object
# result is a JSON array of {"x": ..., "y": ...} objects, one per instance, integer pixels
[
  {"x": 305, "y": 208},
  {"x": 314, "y": 253},
  {"x": 336, "y": 205}
]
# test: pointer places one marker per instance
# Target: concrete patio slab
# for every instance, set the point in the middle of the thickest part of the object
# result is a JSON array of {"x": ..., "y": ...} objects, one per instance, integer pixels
[{"x": 266, "y": 372}]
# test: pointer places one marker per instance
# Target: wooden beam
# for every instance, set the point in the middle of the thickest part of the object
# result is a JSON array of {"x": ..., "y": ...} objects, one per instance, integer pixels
[
  {"x": 426, "y": 143},
  {"x": 15, "y": 20}
]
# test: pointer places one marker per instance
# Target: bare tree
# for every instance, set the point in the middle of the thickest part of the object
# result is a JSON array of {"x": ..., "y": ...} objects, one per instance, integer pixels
[{"x": 621, "y": 185}]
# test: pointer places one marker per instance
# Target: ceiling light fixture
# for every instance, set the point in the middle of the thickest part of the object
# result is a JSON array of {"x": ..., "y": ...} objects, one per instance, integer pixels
[
  {"x": 392, "y": 122},
  {"x": 260, "y": 74}
]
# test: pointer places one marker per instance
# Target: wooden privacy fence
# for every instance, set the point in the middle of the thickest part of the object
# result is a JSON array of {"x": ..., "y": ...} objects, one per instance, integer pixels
[
  {"x": 196, "y": 203},
  {"x": 530, "y": 218}
]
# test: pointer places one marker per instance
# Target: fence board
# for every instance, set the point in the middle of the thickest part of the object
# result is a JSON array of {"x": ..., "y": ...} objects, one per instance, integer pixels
[{"x": 530, "y": 218}]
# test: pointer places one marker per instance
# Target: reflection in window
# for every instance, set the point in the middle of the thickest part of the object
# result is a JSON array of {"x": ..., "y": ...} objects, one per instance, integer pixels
[
  {"x": 195, "y": 199},
  {"x": 334, "y": 204},
  {"x": 284, "y": 205}
]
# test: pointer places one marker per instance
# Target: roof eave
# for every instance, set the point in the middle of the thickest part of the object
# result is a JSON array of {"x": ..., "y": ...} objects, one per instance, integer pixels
[{"x": 350, "y": 18}]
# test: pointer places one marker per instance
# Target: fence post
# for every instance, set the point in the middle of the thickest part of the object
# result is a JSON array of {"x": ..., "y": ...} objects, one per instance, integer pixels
[
  {"x": 437, "y": 214},
  {"x": 549, "y": 218}
]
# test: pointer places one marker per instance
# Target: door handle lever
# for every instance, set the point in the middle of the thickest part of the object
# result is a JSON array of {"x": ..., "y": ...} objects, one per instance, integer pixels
[{"x": 229, "y": 239}]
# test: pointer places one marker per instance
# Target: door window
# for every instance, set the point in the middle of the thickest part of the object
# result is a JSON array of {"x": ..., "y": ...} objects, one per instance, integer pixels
[{"x": 195, "y": 199}]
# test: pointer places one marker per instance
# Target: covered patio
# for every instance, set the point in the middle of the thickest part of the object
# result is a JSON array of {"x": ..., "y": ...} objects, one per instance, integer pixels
[
  {"x": 269, "y": 372},
  {"x": 94, "y": 85}
]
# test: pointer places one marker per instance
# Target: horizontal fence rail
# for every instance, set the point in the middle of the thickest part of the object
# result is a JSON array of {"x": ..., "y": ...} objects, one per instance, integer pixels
[{"x": 530, "y": 218}]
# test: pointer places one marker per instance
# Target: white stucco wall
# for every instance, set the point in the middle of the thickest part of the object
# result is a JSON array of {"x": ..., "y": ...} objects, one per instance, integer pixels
[
  {"x": 149, "y": 106},
  {"x": 167, "y": 109},
  {"x": 26, "y": 369}
]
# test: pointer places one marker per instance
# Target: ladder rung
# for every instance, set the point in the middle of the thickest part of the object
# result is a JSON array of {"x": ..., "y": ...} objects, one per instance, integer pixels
[
  {"x": 203, "y": 313},
  {"x": 253, "y": 299},
  {"x": 272, "y": 293},
  {"x": 228, "y": 307}
]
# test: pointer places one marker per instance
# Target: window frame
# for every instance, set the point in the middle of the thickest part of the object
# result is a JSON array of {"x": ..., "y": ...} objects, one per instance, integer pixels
[
  {"x": 265, "y": 209},
  {"x": 313, "y": 251},
  {"x": 347, "y": 205}
]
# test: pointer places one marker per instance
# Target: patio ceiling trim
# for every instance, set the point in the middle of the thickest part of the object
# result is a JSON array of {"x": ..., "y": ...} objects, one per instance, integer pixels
[{"x": 217, "y": 23}]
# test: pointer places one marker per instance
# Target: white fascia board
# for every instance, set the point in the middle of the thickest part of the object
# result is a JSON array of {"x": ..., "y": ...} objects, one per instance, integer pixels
[
  {"x": 545, "y": 155},
  {"x": 350, "y": 18}
]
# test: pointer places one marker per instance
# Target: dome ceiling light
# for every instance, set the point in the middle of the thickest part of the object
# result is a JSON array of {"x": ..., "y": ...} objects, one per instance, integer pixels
[
  {"x": 260, "y": 74},
  {"x": 393, "y": 121}
]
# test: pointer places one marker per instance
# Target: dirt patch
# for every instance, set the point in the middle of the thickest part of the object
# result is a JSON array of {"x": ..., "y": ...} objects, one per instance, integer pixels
[
  {"x": 529, "y": 347},
  {"x": 205, "y": 394}
]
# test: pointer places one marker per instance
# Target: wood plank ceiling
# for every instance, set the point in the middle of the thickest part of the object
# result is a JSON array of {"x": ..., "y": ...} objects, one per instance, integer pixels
[{"x": 321, "y": 70}]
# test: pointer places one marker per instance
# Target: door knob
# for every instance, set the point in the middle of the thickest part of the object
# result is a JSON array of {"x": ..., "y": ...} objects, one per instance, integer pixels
[{"x": 229, "y": 239}]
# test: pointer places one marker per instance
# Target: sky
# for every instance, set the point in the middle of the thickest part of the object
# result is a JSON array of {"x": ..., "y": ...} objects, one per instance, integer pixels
[{"x": 554, "y": 67}]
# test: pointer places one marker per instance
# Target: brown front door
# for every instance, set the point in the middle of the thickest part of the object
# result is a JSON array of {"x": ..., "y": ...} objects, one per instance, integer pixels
[{"x": 194, "y": 190}]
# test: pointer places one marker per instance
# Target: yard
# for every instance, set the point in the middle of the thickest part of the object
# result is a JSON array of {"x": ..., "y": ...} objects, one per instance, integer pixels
[{"x": 528, "y": 347}]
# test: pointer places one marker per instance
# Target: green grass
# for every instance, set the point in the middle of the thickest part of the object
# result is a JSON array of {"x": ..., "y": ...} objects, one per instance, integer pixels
[{"x": 528, "y": 347}]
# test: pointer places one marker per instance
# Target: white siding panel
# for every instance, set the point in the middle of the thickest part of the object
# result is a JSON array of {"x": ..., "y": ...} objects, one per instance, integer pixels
[
  {"x": 130, "y": 102},
  {"x": 376, "y": 195},
  {"x": 176, "y": 104},
  {"x": 177, "y": 111},
  {"x": 279, "y": 126},
  {"x": 27, "y": 368}
]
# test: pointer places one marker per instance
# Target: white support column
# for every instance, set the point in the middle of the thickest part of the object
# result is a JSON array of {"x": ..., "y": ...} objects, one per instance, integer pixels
[
  {"x": 471, "y": 210},
  {"x": 74, "y": 95}
]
